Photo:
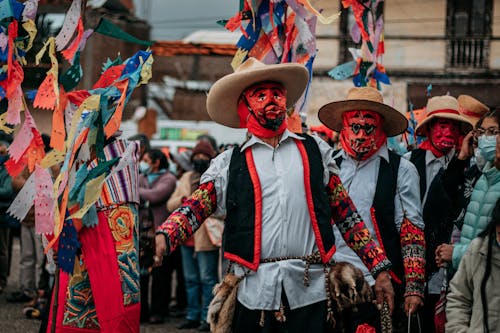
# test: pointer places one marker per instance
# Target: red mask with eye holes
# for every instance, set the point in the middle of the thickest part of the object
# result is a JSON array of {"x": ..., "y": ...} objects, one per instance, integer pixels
[
  {"x": 262, "y": 109},
  {"x": 362, "y": 134}
]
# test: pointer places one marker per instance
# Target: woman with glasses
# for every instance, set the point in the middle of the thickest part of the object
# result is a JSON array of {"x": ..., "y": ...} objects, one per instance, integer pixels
[{"x": 484, "y": 195}]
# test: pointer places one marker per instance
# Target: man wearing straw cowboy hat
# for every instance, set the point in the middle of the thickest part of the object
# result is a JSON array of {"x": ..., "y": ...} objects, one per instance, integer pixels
[
  {"x": 279, "y": 192},
  {"x": 441, "y": 176},
  {"x": 384, "y": 187}
]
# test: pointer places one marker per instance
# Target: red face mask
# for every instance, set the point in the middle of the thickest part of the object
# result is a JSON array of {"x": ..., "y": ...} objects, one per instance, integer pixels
[
  {"x": 362, "y": 133},
  {"x": 266, "y": 109},
  {"x": 443, "y": 135}
]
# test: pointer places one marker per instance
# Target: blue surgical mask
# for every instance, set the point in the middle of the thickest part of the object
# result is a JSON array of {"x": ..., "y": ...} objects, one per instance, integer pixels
[
  {"x": 486, "y": 144},
  {"x": 480, "y": 161},
  {"x": 144, "y": 168}
]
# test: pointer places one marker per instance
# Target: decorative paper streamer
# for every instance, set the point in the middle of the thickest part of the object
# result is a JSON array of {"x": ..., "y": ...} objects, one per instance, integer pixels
[
  {"x": 44, "y": 202},
  {"x": 68, "y": 247},
  {"x": 13, "y": 115},
  {"x": 69, "y": 53},
  {"x": 23, "y": 138},
  {"x": 24, "y": 199},
  {"x": 105, "y": 27},
  {"x": 3, "y": 126},
  {"x": 69, "y": 26},
  {"x": 86, "y": 36},
  {"x": 52, "y": 158},
  {"x": 5, "y": 9},
  {"x": 343, "y": 71},
  {"x": 4, "y": 40},
  {"x": 30, "y": 9},
  {"x": 322, "y": 19},
  {"x": 92, "y": 193},
  {"x": 47, "y": 96},
  {"x": 30, "y": 28}
]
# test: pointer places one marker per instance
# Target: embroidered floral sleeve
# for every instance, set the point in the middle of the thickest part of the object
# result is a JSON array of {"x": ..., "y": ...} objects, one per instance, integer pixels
[
  {"x": 353, "y": 229},
  {"x": 413, "y": 251},
  {"x": 185, "y": 220}
]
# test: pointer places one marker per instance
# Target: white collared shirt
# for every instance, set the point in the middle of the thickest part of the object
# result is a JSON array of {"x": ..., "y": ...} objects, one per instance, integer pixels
[
  {"x": 360, "y": 180},
  {"x": 286, "y": 224}
]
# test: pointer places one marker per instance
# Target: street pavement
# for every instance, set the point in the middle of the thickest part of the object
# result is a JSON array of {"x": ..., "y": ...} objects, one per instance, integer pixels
[{"x": 12, "y": 319}]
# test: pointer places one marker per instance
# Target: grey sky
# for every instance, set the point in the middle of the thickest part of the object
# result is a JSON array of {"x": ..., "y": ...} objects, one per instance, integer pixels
[{"x": 175, "y": 19}]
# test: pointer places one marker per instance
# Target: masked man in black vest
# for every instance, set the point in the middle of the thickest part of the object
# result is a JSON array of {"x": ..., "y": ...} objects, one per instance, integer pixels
[
  {"x": 384, "y": 188},
  {"x": 280, "y": 194}
]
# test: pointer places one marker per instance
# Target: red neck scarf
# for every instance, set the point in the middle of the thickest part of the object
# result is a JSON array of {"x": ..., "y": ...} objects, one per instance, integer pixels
[
  {"x": 362, "y": 134},
  {"x": 427, "y": 145},
  {"x": 247, "y": 120}
]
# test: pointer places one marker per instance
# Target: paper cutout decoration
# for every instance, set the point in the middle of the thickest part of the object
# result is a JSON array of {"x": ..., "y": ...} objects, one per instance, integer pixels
[
  {"x": 47, "y": 96},
  {"x": 105, "y": 27},
  {"x": 44, "y": 202},
  {"x": 70, "y": 24},
  {"x": 70, "y": 79},
  {"x": 30, "y": 9},
  {"x": 5, "y": 9},
  {"x": 323, "y": 19},
  {"x": 343, "y": 71},
  {"x": 92, "y": 193},
  {"x": 15, "y": 106},
  {"x": 68, "y": 245},
  {"x": 24, "y": 199},
  {"x": 69, "y": 53}
]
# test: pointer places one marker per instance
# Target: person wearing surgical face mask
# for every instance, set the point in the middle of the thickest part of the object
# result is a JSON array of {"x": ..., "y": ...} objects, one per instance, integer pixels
[
  {"x": 156, "y": 185},
  {"x": 484, "y": 195},
  {"x": 200, "y": 257}
]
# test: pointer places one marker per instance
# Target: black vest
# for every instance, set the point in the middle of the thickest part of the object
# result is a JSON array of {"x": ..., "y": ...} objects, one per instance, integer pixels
[
  {"x": 438, "y": 210},
  {"x": 417, "y": 157},
  {"x": 241, "y": 227},
  {"x": 383, "y": 206}
]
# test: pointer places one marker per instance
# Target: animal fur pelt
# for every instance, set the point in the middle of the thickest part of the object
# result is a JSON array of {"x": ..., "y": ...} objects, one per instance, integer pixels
[
  {"x": 221, "y": 309},
  {"x": 348, "y": 286}
]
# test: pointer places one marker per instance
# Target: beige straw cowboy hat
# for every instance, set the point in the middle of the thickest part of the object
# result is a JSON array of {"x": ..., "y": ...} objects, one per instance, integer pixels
[
  {"x": 471, "y": 109},
  {"x": 442, "y": 107},
  {"x": 223, "y": 97},
  {"x": 363, "y": 99}
]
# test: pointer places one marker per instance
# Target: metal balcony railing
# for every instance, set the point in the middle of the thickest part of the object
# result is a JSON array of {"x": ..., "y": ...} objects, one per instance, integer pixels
[{"x": 468, "y": 52}]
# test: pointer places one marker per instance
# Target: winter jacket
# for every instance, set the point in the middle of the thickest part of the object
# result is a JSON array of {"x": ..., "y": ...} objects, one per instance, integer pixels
[
  {"x": 157, "y": 193},
  {"x": 483, "y": 199},
  {"x": 464, "y": 310},
  {"x": 189, "y": 182}
]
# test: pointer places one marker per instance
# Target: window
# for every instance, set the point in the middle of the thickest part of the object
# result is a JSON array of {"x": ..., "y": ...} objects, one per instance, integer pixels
[{"x": 468, "y": 30}]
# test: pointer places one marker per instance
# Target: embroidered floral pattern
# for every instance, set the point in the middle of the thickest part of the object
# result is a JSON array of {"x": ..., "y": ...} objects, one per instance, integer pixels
[
  {"x": 124, "y": 223},
  {"x": 80, "y": 308},
  {"x": 413, "y": 251},
  {"x": 353, "y": 229},
  {"x": 185, "y": 220}
]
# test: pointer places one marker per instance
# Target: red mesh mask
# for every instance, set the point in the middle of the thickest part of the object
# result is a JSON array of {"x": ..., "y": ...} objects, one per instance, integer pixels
[
  {"x": 444, "y": 134},
  {"x": 266, "y": 103},
  {"x": 362, "y": 133}
]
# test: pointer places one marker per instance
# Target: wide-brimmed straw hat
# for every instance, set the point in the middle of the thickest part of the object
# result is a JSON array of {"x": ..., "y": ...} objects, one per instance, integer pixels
[
  {"x": 363, "y": 99},
  {"x": 471, "y": 109},
  {"x": 445, "y": 107},
  {"x": 223, "y": 97}
]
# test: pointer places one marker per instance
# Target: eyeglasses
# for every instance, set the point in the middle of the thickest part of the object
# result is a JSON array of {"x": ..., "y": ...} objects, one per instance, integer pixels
[
  {"x": 488, "y": 131},
  {"x": 368, "y": 128}
]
